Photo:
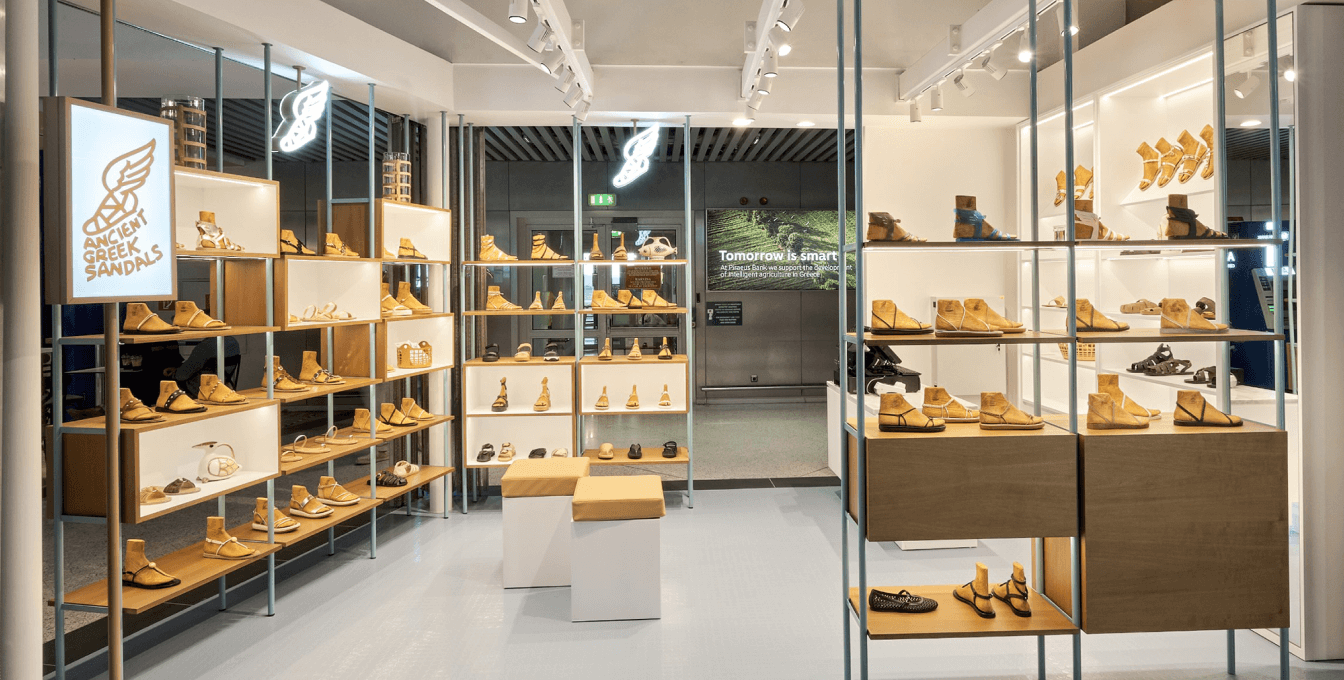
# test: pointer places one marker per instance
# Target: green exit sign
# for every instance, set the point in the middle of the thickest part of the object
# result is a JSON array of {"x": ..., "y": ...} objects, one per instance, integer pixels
[{"x": 601, "y": 200}]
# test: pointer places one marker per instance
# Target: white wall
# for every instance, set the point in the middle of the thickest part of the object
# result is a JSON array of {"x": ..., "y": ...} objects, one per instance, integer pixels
[{"x": 915, "y": 172}]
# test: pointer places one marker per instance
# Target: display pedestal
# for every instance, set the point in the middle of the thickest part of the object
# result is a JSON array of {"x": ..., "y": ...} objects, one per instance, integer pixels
[
  {"x": 1185, "y": 528},
  {"x": 617, "y": 570},
  {"x": 537, "y": 541}
]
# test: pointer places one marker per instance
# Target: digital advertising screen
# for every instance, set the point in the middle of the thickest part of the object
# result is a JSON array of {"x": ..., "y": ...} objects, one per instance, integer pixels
[{"x": 775, "y": 249}]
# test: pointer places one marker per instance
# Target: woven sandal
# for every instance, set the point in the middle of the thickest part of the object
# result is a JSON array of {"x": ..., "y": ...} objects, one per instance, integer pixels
[
  {"x": 1162, "y": 354},
  {"x": 902, "y": 602},
  {"x": 1169, "y": 367},
  {"x": 387, "y": 478}
]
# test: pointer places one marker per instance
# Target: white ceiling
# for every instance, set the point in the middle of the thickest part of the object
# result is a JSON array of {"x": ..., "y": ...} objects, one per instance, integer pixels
[{"x": 681, "y": 33}]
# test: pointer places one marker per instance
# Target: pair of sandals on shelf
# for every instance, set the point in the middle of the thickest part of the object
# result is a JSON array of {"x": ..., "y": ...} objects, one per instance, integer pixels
[
  {"x": 397, "y": 474},
  {"x": 328, "y": 312},
  {"x": 1161, "y": 362},
  {"x": 523, "y": 354}
]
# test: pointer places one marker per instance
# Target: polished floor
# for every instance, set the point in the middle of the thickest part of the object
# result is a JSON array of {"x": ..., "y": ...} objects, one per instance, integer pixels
[{"x": 750, "y": 586}]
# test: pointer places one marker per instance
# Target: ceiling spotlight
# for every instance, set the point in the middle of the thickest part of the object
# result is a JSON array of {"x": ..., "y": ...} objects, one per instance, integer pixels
[
  {"x": 792, "y": 12},
  {"x": 582, "y": 111},
  {"x": 936, "y": 98},
  {"x": 990, "y": 67},
  {"x": 771, "y": 65},
  {"x": 552, "y": 63},
  {"x": 1250, "y": 123},
  {"x": 747, "y": 119},
  {"x": 779, "y": 38},
  {"x": 763, "y": 87},
  {"x": 915, "y": 115},
  {"x": 562, "y": 84},
  {"x": 1017, "y": 43},
  {"x": 754, "y": 101},
  {"x": 1288, "y": 69},
  {"x": 540, "y": 36},
  {"x": 805, "y": 123},
  {"x": 1059, "y": 14},
  {"x": 964, "y": 87},
  {"x": 518, "y": 11},
  {"x": 573, "y": 95},
  {"x": 1246, "y": 87}
]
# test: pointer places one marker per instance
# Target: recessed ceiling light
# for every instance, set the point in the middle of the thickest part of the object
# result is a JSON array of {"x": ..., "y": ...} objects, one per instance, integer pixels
[
  {"x": 742, "y": 121},
  {"x": 1250, "y": 123},
  {"x": 805, "y": 123}
]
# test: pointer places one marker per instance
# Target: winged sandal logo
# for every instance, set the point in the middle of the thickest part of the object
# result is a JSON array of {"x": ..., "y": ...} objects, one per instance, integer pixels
[
  {"x": 300, "y": 111},
  {"x": 111, "y": 235},
  {"x": 637, "y": 152}
]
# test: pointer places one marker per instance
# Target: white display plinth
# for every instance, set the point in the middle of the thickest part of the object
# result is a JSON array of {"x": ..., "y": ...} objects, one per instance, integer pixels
[
  {"x": 537, "y": 541},
  {"x": 616, "y": 570}
]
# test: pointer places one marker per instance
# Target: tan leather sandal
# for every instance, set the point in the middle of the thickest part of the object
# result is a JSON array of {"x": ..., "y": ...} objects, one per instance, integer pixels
[
  {"x": 214, "y": 391},
  {"x": 173, "y": 399},
  {"x": 187, "y": 315}
]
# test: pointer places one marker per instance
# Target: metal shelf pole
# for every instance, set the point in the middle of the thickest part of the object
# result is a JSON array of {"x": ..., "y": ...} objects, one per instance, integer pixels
[
  {"x": 842, "y": 292},
  {"x": 688, "y": 321}
]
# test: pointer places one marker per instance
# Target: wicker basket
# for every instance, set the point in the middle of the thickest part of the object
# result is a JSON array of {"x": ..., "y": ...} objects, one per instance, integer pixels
[
  {"x": 415, "y": 357},
  {"x": 397, "y": 177},
  {"x": 189, "y": 133},
  {"x": 1087, "y": 351}
]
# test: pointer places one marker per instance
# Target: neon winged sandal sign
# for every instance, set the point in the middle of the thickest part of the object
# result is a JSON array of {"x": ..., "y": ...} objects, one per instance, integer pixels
[
  {"x": 637, "y": 153},
  {"x": 299, "y": 112}
]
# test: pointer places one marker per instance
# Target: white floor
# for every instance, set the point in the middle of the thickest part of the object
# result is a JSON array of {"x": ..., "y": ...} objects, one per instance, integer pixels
[{"x": 751, "y": 589}]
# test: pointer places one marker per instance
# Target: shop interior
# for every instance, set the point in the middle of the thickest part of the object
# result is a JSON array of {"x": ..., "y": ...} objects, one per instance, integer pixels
[{"x": 567, "y": 338}]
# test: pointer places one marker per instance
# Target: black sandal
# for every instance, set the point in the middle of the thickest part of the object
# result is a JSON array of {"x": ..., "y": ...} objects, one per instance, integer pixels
[
  {"x": 635, "y": 452},
  {"x": 900, "y": 603},
  {"x": 136, "y": 584},
  {"x": 386, "y": 478},
  {"x": 988, "y": 612},
  {"x": 552, "y": 352},
  {"x": 1170, "y": 367},
  {"x": 537, "y": 453},
  {"x": 1162, "y": 354},
  {"x": 491, "y": 354},
  {"x": 1206, "y": 307},
  {"x": 670, "y": 450},
  {"x": 1203, "y": 376},
  {"x": 487, "y": 452},
  {"x": 1013, "y": 589}
]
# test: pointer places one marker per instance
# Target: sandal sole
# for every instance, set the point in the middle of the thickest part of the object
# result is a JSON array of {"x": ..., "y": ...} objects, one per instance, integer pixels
[
  {"x": 903, "y": 428},
  {"x": 278, "y": 530},
  {"x": 1102, "y": 330},
  {"x": 339, "y": 504},
  {"x": 968, "y": 334},
  {"x": 194, "y": 410},
  {"x": 901, "y": 331},
  {"x": 1187, "y": 423},
  {"x": 229, "y": 559},
  {"x": 1037, "y": 426},
  {"x": 1177, "y": 331},
  {"x": 161, "y": 586}
]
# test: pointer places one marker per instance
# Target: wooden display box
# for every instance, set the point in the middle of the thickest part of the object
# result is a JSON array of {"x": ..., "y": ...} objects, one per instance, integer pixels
[
  {"x": 429, "y": 228},
  {"x": 154, "y": 454},
  {"x": 352, "y": 284},
  {"x": 351, "y": 351},
  {"x": 967, "y": 483},
  {"x": 1184, "y": 528}
]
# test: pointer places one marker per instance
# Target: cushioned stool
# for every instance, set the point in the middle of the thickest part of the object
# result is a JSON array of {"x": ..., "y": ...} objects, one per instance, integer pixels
[
  {"x": 615, "y": 568},
  {"x": 537, "y": 494}
]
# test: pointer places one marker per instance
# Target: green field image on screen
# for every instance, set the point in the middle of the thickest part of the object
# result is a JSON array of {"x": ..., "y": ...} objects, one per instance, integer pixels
[{"x": 775, "y": 249}]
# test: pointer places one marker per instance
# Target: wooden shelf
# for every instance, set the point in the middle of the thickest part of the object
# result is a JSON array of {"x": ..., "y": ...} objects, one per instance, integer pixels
[
  {"x": 518, "y": 312},
  {"x": 313, "y": 390},
  {"x": 645, "y": 409},
  {"x": 326, "y": 258},
  {"x": 495, "y": 463},
  {"x": 401, "y": 373},
  {"x": 637, "y": 311},
  {"x": 653, "y": 455},
  {"x": 414, "y": 261},
  {"x": 1156, "y": 335},
  {"x": 399, "y": 432},
  {"x": 1023, "y": 338},
  {"x": 188, "y": 564},
  {"x": 427, "y": 474},
  {"x": 955, "y": 619},
  {"x": 307, "y": 526},
  {"x": 508, "y": 360},
  {"x": 1165, "y": 427},
  {"x": 362, "y": 443},
  {"x": 317, "y": 325},
  {"x": 627, "y": 263},
  {"x": 650, "y": 357},
  {"x": 518, "y": 263},
  {"x": 1053, "y": 428},
  {"x": 208, "y": 491},
  {"x": 415, "y": 317},
  {"x": 878, "y": 246},
  {"x": 132, "y": 339},
  {"x": 521, "y": 411},
  {"x": 171, "y": 419},
  {"x": 213, "y": 254}
]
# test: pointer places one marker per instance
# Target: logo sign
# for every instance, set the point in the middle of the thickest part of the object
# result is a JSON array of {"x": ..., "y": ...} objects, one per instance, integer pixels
[
  {"x": 299, "y": 112},
  {"x": 601, "y": 200},
  {"x": 637, "y": 152},
  {"x": 109, "y": 204}
]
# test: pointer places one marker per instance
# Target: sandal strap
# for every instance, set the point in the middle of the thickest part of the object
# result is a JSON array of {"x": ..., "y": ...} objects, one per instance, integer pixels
[{"x": 173, "y": 397}]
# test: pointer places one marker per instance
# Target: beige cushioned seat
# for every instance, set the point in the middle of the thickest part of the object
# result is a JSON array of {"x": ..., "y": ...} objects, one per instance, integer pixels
[
  {"x": 532, "y": 477},
  {"x": 600, "y": 499}
]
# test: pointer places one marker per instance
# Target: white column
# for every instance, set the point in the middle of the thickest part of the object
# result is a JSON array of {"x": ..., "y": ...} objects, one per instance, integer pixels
[{"x": 20, "y": 298}]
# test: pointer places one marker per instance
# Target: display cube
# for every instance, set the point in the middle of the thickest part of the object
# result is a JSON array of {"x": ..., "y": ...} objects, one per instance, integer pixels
[
  {"x": 647, "y": 376},
  {"x": 537, "y": 499},
  {"x": 1184, "y": 528},
  {"x": 430, "y": 229},
  {"x": 615, "y": 562},
  {"x": 967, "y": 483},
  {"x": 246, "y": 208}
]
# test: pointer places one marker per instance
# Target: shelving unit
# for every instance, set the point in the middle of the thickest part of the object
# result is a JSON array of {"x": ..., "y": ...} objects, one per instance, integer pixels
[
  {"x": 911, "y": 486},
  {"x": 255, "y": 291},
  {"x": 574, "y": 382}
]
